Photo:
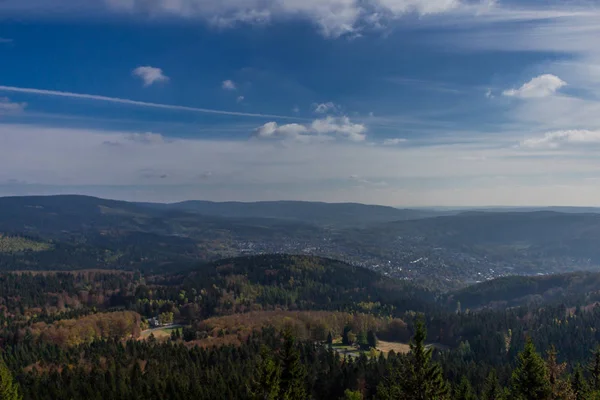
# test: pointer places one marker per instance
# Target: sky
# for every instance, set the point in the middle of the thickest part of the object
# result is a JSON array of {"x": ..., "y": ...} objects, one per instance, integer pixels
[{"x": 408, "y": 103}]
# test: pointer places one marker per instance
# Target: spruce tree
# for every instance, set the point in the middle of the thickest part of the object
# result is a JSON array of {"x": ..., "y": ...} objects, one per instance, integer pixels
[
  {"x": 361, "y": 338},
  {"x": 9, "y": 389},
  {"x": 530, "y": 379},
  {"x": 372, "y": 339},
  {"x": 464, "y": 391},
  {"x": 491, "y": 388},
  {"x": 293, "y": 374},
  {"x": 424, "y": 379},
  {"x": 595, "y": 371},
  {"x": 579, "y": 384},
  {"x": 330, "y": 339},
  {"x": 266, "y": 383}
]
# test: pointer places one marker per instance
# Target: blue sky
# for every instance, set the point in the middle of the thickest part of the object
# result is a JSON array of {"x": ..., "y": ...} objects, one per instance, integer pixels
[{"x": 398, "y": 102}]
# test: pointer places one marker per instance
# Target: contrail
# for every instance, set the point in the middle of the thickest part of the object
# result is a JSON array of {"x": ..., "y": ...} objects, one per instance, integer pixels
[{"x": 118, "y": 100}]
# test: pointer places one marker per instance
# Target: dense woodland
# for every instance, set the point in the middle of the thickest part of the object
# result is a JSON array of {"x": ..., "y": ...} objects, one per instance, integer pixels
[{"x": 272, "y": 327}]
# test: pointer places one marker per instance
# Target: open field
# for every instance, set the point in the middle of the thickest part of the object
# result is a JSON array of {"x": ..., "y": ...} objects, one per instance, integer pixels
[
  {"x": 386, "y": 347},
  {"x": 159, "y": 333}
]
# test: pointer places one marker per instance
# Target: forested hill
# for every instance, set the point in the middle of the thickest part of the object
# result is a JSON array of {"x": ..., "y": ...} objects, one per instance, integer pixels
[
  {"x": 571, "y": 289},
  {"x": 339, "y": 214},
  {"x": 295, "y": 282}
]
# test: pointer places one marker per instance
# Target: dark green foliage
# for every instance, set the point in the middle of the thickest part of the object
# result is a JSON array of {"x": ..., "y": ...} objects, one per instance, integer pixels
[
  {"x": 361, "y": 339},
  {"x": 9, "y": 390},
  {"x": 594, "y": 369},
  {"x": 345, "y": 338},
  {"x": 372, "y": 339},
  {"x": 420, "y": 378},
  {"x": 491, "y": 388},
  {"x": 530, "y": 380},
  {"x": 464, "y": 391},
  {"x": 579, "y": 384},
  {"x": 352, "y": 395},
  {"x": 329, "y": 338},
  {"x": 265, "y": 385},
  {"x": 293, "y": 385}
]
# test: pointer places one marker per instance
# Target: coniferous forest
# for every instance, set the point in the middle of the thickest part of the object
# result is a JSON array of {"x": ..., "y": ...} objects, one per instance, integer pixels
[{"x": 292, "y": 327}]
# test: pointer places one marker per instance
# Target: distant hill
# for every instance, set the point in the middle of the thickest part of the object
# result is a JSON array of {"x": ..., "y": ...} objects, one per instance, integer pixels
[
  {"x": 343, "y": 214},
  {"x": 546, "y": 232},
  {"x": 572, "y": 288}
]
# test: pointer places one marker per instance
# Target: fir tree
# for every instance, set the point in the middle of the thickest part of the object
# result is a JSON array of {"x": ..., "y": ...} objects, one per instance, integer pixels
[
  {"x": 8, "y": 388},
  {"x": 352, "y": 395},
  {"x": 425, "y": 380},
  {"x": 372, "y": 339},
  {"x": 579, "y": 384},
  {"x": 294, "y": 374},
  {"x": 266, "y": 384},
  {"x": 595, "y": 371},
  {"x": 464, "y": 391},
  {"x": 361, "y": 339},
  {"x": 491, "y": 388},
  {"x": 345, "y": 338},
  {"x": 530, "y": 377},
  {"x": 330, "y": 339}
]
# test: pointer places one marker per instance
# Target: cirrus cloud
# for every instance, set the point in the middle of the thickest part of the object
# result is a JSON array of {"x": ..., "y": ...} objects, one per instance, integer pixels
[{"x": 557, "y": 139}]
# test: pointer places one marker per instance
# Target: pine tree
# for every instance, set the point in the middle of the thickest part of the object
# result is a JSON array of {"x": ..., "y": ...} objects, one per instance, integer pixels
[
  {"x": 464, "y": 391},
  {"x": 9, "y": 390},
  {"x": 266, "y": 384},
  {"x": 330, "y": 339},
  {"x": 361, "y": 338},
  {"x": 352, "y": 395},
  {"x": 372, "y": 339},
  {"x": 530, "y": 378},
  {"x": 345, "y": 339},
  {"x": 294, "y": 374},
  {"x": 491, "y": 388},
  {"x": 579, "y": 384},
  {"x": 424, "y": 379},
  {"x": 595, "y": 371}
]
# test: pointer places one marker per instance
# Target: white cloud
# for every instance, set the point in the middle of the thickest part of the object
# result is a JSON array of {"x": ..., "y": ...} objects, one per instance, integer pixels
[
  {"x": 271, "y": 130},
  {"x": 321, "y": 130},
  {"x": 296, "y": 109},
  {"x": 324, "y": 108},
  {"x": 340, "y": 126},
  {"x": 9, "y": 107},
  {"x": 172, "y": 170},
  {"x": 228, "y": 85},
  {"x": 393, "y": 142},
  {"x": 240, "y": 99},
  {"x": 150, "y": 75},
  {"x": 557, "y": 139},
  {"x": 333, "y": 17},
  {"x": 540, "y": 86},
  {"x": 117, "y": 100},
  {"x": 422, "y": 7},
  {"x": 489, "y": 94}
]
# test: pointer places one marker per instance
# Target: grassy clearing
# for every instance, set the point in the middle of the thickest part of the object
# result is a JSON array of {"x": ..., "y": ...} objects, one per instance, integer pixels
[
  {"x": 159, "y": 334},
  {"x": 386, "y": 347}
]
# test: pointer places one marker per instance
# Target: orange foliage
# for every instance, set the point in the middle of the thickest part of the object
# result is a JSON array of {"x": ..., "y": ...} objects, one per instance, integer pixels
[{"x": 71, "y": 332}]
